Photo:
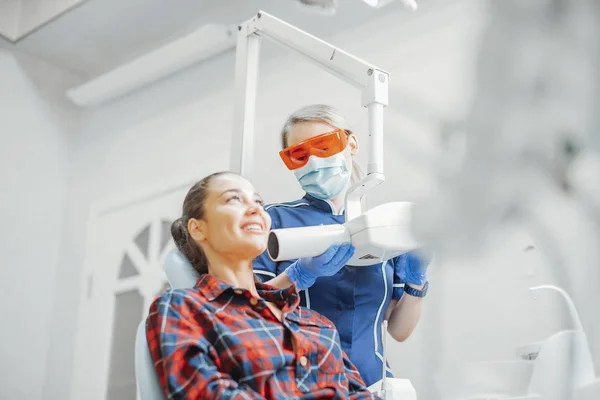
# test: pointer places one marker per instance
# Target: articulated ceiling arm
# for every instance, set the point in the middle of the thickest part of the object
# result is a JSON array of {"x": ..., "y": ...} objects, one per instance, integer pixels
[{"x": 372, "y": 81}]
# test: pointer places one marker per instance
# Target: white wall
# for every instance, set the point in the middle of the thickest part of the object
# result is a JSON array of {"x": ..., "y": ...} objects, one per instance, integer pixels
[
  {"x": 34, "y": 134},
  {"x": 34, "y": 13},
  {"x": 183, "y": 125},
  {"x": 19, "y": 17},
  {"x": 9, "y": 12}
]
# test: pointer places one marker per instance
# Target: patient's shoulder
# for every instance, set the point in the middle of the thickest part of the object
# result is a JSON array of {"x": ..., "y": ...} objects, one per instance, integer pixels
[
  {"x": 189, "y": 298},
  {"x": 178, "y": 294}
]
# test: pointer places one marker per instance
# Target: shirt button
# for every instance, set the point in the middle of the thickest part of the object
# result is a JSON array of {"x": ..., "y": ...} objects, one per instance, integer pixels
[
  {"x": 254, "y": 301},
  {"x": 303, "y": 361},
  {"x": 237, "y": 291}
]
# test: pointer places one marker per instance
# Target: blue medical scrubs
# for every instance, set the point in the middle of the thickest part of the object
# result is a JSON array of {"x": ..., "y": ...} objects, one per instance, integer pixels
[{"x": 355, "y": 299}]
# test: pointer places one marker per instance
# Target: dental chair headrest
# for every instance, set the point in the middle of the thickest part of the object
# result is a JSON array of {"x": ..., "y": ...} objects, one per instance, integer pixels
[{"x": 180, "y": 272}]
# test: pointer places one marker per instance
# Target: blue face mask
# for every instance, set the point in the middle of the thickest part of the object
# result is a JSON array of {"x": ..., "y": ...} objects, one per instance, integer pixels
[{"x": 324, "y": 178}]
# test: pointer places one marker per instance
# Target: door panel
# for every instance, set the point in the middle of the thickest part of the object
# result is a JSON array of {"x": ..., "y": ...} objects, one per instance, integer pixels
[{"x": 124, "y": 264}]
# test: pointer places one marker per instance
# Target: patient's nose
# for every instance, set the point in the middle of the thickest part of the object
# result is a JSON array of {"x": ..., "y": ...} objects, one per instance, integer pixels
[{"x": 253, "y": 208}]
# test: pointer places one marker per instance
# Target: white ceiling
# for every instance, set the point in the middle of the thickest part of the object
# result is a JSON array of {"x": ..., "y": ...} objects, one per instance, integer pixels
[{"x": 98, "y": 35}]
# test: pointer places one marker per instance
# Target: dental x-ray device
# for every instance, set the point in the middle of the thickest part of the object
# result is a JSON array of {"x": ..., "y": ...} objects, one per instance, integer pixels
[{"x": 378, "y": 234}]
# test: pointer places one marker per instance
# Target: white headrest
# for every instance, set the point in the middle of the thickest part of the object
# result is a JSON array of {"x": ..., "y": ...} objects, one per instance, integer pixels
[{"x": 180, "y": 272}]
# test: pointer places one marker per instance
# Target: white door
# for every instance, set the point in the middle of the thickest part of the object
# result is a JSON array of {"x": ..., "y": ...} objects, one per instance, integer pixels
[{"x": 127, "y": 244}]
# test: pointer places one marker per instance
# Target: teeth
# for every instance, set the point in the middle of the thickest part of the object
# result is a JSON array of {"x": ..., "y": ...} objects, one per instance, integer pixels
[{"x": 253, "y": 227}]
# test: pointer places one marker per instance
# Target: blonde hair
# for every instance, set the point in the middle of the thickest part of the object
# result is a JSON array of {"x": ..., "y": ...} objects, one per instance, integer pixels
[{"x": 328, "y": 115}]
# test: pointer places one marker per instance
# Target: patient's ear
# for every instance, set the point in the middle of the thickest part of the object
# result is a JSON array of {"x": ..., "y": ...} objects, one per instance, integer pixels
[{"x": 197, "y": 229}]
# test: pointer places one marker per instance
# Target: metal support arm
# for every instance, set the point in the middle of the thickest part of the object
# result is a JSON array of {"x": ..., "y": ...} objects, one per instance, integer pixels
[{"x": 372, "y": 81}]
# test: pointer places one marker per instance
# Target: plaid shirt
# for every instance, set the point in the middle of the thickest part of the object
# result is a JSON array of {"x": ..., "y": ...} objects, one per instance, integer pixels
[{"x": 215, "y": 341}]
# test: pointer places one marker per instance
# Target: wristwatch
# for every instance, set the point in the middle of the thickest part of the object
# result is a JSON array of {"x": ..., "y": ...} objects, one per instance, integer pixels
[{"x": 416, "y": 292}]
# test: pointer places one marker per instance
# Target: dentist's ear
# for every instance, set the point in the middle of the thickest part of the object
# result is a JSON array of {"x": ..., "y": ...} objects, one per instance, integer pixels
[{"x": 353, "y": 144}]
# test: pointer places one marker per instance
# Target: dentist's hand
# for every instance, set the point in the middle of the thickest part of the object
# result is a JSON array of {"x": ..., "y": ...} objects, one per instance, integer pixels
[
  {"x": 305, "y": 271},
  {"x": 416, "y": 264}
]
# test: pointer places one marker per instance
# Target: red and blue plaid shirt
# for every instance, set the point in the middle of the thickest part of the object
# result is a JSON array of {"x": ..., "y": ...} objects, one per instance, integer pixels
[{"x": 215, "y": 341}]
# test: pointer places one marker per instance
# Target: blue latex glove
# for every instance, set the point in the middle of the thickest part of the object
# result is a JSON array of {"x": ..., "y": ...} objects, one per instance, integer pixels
[
  {"x": 415, "y": 267},
  {"x": 305, "y": 271}
]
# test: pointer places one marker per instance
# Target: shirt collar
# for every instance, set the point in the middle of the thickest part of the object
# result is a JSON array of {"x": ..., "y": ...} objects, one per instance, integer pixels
[
  {"x": 288, "y": 296},
  {"x": 212, "y": 287},
  {"x": 324, "y": 205}
]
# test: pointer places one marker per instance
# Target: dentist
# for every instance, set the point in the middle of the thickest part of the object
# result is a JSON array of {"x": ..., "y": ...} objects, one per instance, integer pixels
[{"x": 319, "y": 147}]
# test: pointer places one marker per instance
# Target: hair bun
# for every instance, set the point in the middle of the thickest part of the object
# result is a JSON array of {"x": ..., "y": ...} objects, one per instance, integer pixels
[{"x": 179, "y": 232}]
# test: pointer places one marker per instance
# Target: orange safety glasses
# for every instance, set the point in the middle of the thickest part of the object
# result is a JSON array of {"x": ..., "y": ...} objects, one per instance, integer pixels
[{"x": 325, "y": 145}]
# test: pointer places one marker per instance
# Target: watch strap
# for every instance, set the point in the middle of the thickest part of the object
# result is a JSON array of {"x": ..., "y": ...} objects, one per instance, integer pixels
[{"x": 416, "y": 292}]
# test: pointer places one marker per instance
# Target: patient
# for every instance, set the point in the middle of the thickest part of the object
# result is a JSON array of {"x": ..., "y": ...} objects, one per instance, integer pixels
[{"x": 229, "y": 337}]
